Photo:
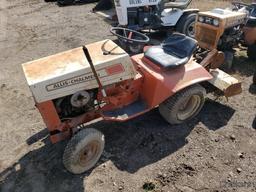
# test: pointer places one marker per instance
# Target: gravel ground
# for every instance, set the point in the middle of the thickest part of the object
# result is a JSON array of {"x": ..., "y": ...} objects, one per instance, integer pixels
[{"x": 214, "y": 152}]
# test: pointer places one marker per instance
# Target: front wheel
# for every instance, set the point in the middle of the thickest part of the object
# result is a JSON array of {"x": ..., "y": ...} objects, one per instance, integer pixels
[
  {"x": 184, "y": 105},
  {"x": 186, "y": 25},
  {"x": 83, "y": 150}
]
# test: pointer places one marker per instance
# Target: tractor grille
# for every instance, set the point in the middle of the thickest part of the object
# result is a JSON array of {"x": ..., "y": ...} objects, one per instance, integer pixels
[{"x": 207, "y": 36}]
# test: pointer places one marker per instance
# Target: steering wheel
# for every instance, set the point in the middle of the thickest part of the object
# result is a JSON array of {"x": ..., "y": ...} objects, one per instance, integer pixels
[
  {"x": 130, "y": 40},
  {"x": 129, "y": 35}
]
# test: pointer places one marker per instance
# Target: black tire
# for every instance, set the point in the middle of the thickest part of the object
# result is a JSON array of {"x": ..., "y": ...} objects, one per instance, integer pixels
[
  {"x": 65, "y": 2},
  {"x": 173, "y": 109},
  {"x": 83, "y": 150},
  {"x": 103, "y": 5},
  {"x": 251, "y": 52},
  {"x": 186, "y": 25}
]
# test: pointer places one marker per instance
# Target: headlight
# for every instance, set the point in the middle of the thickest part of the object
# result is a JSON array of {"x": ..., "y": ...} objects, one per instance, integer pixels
[
  {"x": 201, "y": 19},
  {"x": 216, "y": 22}
]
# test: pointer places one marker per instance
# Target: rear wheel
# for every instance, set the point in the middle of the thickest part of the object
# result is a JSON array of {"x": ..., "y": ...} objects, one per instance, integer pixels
[
  {"x": 186, "y": 25},
  {"x": 83, "y": 150},
  {"x": 184, "y": 105},
  {"x": 251, "y": 52}
]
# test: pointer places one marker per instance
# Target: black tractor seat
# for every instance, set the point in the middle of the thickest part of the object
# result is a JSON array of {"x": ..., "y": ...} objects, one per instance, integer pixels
[
  {"x": 251, "y": 22},
  {"x": 175, "y": 51}
]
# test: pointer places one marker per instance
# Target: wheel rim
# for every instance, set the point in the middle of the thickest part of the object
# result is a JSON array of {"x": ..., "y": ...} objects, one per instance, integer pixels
[
  {"x": 189, "y": 108},
  {"x": 191, "y": 30},
  {"x": 89, "y": 153}
]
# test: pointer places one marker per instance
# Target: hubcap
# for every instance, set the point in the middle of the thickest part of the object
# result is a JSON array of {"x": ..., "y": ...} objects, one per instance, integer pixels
[
  {"x": 90, "y": 151},
  {"x": 189, "y": 108}
]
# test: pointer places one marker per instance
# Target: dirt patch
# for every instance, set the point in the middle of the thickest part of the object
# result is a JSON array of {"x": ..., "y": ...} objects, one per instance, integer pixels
[{"x": 214, "y": 152}]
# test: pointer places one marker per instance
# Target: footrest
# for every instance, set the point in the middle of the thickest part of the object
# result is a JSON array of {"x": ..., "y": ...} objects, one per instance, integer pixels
[{"x": 127, "y": 112}]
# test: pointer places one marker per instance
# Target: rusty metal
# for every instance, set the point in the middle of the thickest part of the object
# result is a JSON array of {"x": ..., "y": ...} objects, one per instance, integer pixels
[
  {"x": 209, "y": 58},
  {"x": 218, "y": 60},
  {"x": 233, "y": 90},
  {"x": 226, "y": 83},
  {"x": 213, "y": 60}
]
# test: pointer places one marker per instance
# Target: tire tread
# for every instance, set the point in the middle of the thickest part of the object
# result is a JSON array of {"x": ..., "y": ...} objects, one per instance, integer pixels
[
  {"x": 68, "y": 155},
  {"x": 168, "y": 107}
]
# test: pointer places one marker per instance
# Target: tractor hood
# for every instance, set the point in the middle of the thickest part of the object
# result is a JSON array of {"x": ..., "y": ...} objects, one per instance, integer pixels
[{"x": 68, "y": 72}]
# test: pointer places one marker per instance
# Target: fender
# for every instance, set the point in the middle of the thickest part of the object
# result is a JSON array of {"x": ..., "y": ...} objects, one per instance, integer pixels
[
  {"x": 171, "y": 18},
  {"x": 187, "y": 11},
  {"x": 158, "y": 85}
]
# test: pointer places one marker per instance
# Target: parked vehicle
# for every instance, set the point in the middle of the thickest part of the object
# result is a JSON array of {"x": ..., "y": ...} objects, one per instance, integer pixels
[
  {"x": 157, "y": 14},
  {"x": 225, "y": 29},
  {"x": 101, "y": 80}
]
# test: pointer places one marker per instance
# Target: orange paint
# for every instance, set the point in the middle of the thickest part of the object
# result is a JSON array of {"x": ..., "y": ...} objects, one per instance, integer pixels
[
  {"x": 158, "y": 85},
  {"x": 151, "y": 84},
  {"x": 49, "y": 115},
  {"x": 114, "y": 69}
]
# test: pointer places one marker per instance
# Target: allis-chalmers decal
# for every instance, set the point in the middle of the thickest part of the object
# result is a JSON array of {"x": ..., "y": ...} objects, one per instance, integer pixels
[{"x": 105, "y": 72}]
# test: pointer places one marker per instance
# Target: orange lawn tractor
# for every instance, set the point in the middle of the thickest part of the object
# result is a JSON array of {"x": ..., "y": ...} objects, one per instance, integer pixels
[
  {"x": 224, "y": 29},
  {"x": 101, "y": 80}
]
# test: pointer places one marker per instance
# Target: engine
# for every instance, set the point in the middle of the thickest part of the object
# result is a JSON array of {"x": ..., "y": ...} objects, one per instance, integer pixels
[
  {"x": 231, "y": 37},
  {"x": 67, "y": 79},
  {"x": 75, "y": 104},
  {"x": 147, "y": 16}
]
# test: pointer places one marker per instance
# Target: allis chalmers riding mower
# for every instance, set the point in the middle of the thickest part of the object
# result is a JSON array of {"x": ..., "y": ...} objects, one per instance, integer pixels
[
  {"x": 101, "y": 80},
  {"x": 156, "y": 14},
  {"x": 224, "y": 29}
]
